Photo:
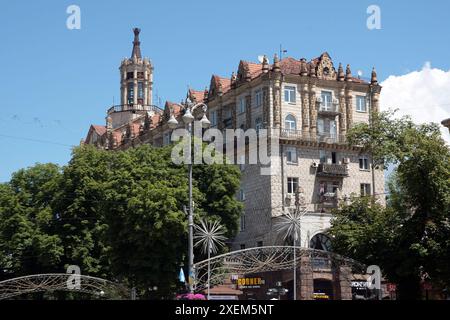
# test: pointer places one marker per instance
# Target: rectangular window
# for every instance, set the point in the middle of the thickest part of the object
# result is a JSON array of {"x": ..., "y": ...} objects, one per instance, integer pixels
[
  {"x": 130, "y": 93},
  {"x": 242, "y": 246},
  {"x": 365, "y": 189},
  {"x": 140, "y": 90},
  {"x": 242, "y": 221},
  {"x": 289, "y": 94},
  {"x": 361, "y": 104},
  {"x": 166, "y": 138},
  {"x": 258, "y": 98},
  {"x": 213, "y": 118},
  {"x": 333, "y": 158},
  {"x": 323, "y": 156},
  {"x": 241, "y": 195},
  {"x": 320, "y": 126},
  {"x": 258, "y": 124},
  {"x": 130, "y": 75},
  {"x": 291, "y": 155},
  {"x": 242, "y": 105},
  {"x": 327, "y": 102},
  {"x": 292, "y": 184},
  {"x": 259, "y": 244},
  {"x": 363, "y": 163}
]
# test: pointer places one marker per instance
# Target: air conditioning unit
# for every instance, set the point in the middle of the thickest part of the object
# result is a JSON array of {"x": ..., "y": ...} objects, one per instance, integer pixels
[
  {"x": 315, "y": 165},
  {"x": 335, "y": 101},
  {"x": 346, "y": 160},
  {"x": 319, "y": 99}
]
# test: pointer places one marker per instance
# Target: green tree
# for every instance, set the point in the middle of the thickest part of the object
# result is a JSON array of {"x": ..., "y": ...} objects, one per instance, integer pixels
[
  {"x": 29, "y": 239},
  {"x": 414, "y": 228}
]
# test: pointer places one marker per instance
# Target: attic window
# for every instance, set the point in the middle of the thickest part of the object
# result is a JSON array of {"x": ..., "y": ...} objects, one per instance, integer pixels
[{"x": 326, "y": 71}]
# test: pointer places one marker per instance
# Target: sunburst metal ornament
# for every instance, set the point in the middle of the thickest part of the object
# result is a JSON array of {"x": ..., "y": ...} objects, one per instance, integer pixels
[
  {"x": 210, "y": 236},
  {"x": 289, "y": 225}
]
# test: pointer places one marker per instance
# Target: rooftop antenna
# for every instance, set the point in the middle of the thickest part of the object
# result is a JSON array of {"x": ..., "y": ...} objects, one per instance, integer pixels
[{"x": 282, "y": 51}]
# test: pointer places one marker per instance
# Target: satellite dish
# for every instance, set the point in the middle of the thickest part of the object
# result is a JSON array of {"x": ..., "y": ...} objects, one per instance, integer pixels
[
  {"x": 360, "y": 73},
  {"x": 261, "y": 59}
]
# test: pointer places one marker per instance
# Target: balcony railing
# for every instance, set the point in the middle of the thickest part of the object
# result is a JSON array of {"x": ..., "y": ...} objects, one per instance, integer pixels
[
  {"x": 329, "y": 109},
  {"x": 134, "y": 107},
  {"x": 320, "y": 137},
  {"x": 332, "y": 169},
  {"x": 326, "y": 202}
]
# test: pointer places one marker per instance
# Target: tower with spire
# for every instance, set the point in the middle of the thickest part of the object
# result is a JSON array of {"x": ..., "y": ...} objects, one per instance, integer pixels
[{"x": 136, "y": 86}]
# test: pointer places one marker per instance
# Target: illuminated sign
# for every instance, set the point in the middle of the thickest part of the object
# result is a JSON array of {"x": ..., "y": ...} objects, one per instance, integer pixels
[
  {"x": 248, "y": 283},
  {"x": 321, "y": 296}
]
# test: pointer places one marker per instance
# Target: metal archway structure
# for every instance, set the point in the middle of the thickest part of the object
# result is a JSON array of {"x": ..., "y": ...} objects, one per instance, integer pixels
[
  {"x": 272, "y": 258},
  {"x": 59, "y": 282}
]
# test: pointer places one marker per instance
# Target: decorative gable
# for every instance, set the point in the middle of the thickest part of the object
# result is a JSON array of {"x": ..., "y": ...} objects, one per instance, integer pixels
[{"x": 325, "y": 68}]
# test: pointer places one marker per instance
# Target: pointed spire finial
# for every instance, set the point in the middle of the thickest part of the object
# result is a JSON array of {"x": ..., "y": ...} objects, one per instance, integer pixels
[
  {"x": 276, "y": 63},
  {"x": 374, "y": 79},
  {"x": 265, "y": 64},
  {"x": 348, "y": 73},
  {"x": 136, "y": 44},
  {"x": 341, "y": 75}
]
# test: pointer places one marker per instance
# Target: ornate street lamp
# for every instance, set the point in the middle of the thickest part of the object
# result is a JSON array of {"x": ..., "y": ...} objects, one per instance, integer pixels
[{"x": 188, "y": 118}]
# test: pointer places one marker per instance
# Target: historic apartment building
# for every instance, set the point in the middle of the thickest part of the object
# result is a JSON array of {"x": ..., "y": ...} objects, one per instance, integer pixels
[{"x": 308, "y": 105}]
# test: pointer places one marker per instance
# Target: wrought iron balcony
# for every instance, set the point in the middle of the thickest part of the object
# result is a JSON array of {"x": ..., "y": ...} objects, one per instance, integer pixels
[
  {"x": 332, "y": 170},
  {"x": 326, "y": 202},
  {"x": 289, "y": 134},
  {"x": 134, "y": 107}
]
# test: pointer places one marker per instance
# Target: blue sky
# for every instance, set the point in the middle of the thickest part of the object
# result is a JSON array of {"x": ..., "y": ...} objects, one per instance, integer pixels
[{"x": 55, "y": 82}]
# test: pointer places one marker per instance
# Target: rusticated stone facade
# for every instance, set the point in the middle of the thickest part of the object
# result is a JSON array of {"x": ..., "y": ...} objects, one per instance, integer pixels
[{"x": 308, "y": 105}]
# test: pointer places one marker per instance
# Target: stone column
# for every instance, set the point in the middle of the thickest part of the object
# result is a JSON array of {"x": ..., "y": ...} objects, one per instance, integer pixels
[
  {"x": 266, "y": 106},
  {"x": 305, "y": 280},
  {"x": 313, "y": 111},
  {"x": 342, "y": 280},
  {"x": 375, "y": 100},
  {"x": 248, "y": 111},
  {"x": 342, "y": 113},
  {"x": 349, "y": 103},
  {"x": 305, "y": 110},
  {"x": 277, "y": 103},
  {"x": 135, "y": 86}
]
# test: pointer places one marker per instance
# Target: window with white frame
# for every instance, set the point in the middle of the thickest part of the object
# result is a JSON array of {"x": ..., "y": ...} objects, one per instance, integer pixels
[
  {"x": 292, "y": 184},
  {"x": 291, "y": 155},
  {"x": 363, "y": 163},
  {"x": 320, "y": 126},
  {"x": 361, "y": 104},
  {"x": 323, "y": 156},
  {"x": 327, "y": 100},
  {"x": 365, "y": 189},
  {"x": 289, "y": 94},
  {"x": 290, "y": 123},
  {"x": 258, "y": 98},
  {"x": 242, "y": 105}
]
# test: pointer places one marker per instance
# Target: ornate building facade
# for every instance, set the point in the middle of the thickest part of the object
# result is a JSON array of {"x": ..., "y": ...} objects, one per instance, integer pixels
[{"x": 308, "y": 105}]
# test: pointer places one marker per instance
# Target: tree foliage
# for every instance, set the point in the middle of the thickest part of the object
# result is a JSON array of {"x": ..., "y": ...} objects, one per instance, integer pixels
[
  {"x": 117, "y": 215},
  {"x": 409, "y": 238}
]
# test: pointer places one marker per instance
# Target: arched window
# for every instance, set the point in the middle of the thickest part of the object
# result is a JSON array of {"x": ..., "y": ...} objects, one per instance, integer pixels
[
  {"x": 290, "y": 123},
  {"x": 320, "y": 242}
]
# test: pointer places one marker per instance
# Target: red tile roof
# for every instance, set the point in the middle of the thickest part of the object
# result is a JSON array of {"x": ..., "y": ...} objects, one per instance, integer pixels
[
  {"x": 198, "y": 96},
  {"x": 100, "y": 130}
]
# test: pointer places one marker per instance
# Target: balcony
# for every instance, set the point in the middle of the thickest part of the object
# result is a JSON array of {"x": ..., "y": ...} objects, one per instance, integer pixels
[
  {"x": 330, "y": 109},
  {"x": 326, "y": 202},
  {"x": 288, "y": 134},
  {"x": 134, "y": 107},
  {"x": 332, "y": 170}
]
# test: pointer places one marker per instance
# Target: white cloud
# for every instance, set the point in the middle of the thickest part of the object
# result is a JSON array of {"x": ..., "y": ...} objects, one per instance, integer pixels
[{"x": 424, "y": 95}]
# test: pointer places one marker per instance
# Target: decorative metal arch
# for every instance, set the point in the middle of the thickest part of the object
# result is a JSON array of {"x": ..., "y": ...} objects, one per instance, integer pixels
[
  {"x": 270, "y": 258},
  {"x": 58, "y": 282}
]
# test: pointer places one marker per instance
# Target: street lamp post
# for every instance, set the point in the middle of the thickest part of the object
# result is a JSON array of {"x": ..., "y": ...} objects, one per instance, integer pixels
[
  {"x": 188, "y": 119},
  {"x": 290, "y": 225}
]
